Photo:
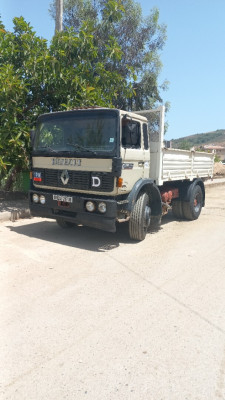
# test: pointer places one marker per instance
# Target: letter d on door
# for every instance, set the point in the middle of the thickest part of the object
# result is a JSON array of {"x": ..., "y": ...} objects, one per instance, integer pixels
[{"x": 96, "y": 182}]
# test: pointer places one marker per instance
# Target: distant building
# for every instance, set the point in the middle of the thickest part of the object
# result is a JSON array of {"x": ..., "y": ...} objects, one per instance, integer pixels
[{"x": 219, "y": 150}]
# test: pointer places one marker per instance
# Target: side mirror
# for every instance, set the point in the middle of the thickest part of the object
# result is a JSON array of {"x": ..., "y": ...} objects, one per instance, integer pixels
[
  {"x": 32, "y": 136},
  {"x": 127, "y": 118}
]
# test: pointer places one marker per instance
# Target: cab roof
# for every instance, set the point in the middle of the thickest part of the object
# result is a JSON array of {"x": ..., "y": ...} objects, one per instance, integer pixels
[{"x": 129, "y": 114}]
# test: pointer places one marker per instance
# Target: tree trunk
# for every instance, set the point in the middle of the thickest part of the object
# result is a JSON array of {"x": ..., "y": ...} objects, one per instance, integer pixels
[
  {"x": 59, "y": 16},
  {"x": 11, "y": 178}
]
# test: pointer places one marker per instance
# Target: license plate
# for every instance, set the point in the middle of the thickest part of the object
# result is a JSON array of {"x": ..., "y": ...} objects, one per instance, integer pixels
[{"x": 59, "y": 197}]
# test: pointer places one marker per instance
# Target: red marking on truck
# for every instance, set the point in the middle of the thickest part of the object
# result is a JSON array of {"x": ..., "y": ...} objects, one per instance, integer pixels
[{"x": 169, "y": 194}]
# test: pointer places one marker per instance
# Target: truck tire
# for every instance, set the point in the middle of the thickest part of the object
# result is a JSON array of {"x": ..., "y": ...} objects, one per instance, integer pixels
[
  {"x": 155, "y": 222},
  {"x": 192, "y": 208},
  {"x": 140, "y": 218},
  {"x": 64, "y": 224},
  {"x": 177, "y": 209}
]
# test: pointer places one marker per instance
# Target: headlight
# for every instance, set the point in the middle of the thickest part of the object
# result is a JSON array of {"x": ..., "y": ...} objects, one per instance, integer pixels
[
  {"x": 35, "y": 198},
  {"x": 102, "y": 207},
  {"x": 42, "y": 199},
  {"x": 90, "y": 206}
]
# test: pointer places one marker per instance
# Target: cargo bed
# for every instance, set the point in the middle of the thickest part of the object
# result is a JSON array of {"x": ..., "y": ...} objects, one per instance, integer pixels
[{"x": 167, "y": 164}]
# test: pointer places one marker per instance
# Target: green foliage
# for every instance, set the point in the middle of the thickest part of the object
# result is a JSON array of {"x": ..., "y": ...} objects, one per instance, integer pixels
[
  {"x": 36, "y": 78},
  {"x": 184, "y": 145},
  {"x": 140, "y": 39},
  {"x": 217, "y": 158}
]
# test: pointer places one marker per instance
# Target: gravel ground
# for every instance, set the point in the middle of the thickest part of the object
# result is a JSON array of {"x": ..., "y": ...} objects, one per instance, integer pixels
[{"x": 90, "y": 315}]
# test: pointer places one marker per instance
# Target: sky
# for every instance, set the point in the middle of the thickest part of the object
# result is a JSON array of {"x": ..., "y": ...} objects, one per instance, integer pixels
[{"x": 193, "y": 57}]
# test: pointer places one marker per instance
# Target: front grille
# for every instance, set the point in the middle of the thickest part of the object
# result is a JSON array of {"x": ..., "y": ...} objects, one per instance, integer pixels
[
  {"x": 80, "y": 180},
  {"x": 77, "y": 180}
]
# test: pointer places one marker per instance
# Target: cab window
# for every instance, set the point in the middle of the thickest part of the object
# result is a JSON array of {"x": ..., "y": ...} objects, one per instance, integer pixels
[
  {"x": 131, "y": 134},
  {"x": 145, "y": 135}
]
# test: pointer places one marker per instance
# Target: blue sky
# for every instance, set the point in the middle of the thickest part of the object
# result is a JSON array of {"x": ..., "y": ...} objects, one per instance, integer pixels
[{"x": 193, "y": 57}]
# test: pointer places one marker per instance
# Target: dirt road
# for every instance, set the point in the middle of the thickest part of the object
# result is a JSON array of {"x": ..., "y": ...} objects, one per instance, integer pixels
[{"x": 90, "y": 315}]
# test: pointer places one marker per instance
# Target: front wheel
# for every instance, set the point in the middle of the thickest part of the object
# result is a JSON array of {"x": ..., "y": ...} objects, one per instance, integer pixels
[{"x": 140, "y": 218}]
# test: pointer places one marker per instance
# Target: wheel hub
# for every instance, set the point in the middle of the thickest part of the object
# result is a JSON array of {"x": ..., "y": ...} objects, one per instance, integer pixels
[
  {"x": 197, "y": 203},
  {"x": 147, "y": 216}
]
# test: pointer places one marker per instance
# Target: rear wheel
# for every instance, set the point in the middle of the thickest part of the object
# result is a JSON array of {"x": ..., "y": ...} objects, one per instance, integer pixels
[
  {"x": 140, "y": 218},
  {"x": 192, "y": 208},
  {"x": 64, "y": 224},
  {"x": 177, "y": 209}
]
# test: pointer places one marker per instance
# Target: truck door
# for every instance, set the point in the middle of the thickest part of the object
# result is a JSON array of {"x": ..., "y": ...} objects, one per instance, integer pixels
[
  {"x": 146, "y": 150},
  {"x": 132, "y": 153}
]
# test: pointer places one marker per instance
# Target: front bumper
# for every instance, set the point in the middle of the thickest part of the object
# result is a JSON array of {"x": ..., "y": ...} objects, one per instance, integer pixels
[{"x": 75, "y": 211}]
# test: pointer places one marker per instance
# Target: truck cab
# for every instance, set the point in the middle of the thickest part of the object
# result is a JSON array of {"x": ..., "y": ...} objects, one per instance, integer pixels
[{"x": 85, "y": 162}]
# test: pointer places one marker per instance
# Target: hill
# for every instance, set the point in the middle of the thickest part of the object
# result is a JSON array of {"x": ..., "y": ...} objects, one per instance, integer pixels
[{"x": 201, "y": 139}]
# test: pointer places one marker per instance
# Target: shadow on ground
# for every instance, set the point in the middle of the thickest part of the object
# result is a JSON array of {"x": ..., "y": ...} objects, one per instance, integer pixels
[{"x": 80, "y": 236}]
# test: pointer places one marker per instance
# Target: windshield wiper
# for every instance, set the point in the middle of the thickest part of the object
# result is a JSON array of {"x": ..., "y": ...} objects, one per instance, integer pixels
[
  {"x": 49, "y": 148},
  {"x": 78, "y": 146}
]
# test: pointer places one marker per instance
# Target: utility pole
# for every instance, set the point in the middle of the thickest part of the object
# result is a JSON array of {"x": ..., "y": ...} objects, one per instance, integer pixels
[{"x": 59, "y": 16}]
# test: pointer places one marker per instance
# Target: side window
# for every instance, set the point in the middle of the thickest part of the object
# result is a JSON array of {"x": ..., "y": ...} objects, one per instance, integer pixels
[
  {"x": 145, "y": 135},
  {"x": 131, "y": 135}
]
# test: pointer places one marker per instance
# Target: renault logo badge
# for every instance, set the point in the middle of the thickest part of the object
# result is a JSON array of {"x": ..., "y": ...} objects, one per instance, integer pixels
[{"x": 65, "y": 177}]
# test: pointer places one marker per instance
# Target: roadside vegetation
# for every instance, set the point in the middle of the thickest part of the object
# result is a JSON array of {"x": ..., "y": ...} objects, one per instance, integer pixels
[
  {"x": 200, "y": 139},
  {"x": 108, "y": 57}
]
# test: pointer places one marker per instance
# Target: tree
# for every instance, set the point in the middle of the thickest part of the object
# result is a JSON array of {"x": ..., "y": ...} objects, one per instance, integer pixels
[
  {"x": 140, "y": 39},
  {"x": 36, "y": 78}
]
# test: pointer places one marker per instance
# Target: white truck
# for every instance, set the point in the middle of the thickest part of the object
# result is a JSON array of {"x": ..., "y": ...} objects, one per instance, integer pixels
[{"x": 99, "y": 166}]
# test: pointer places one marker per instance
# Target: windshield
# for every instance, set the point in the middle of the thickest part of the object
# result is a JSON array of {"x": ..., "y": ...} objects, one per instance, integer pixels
[{"x": 81, "y": 133}]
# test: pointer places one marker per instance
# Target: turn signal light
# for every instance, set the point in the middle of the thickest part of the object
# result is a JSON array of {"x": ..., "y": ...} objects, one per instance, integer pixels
[{"x": 120, "y": 182}]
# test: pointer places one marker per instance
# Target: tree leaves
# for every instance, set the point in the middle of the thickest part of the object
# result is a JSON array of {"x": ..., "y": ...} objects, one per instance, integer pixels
[
  {"x": 36, "y": 78},
  {"x": 137, "y": 43}
]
